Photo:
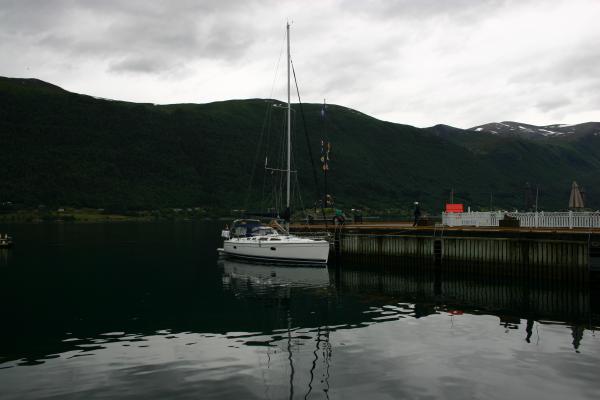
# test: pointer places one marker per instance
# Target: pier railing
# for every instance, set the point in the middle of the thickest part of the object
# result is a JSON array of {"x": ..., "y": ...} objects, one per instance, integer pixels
[{"x": 568, "y": 219}]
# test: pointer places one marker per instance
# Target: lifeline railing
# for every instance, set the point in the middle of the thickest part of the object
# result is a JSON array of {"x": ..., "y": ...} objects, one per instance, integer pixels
[{"x": 567, "y": 219}]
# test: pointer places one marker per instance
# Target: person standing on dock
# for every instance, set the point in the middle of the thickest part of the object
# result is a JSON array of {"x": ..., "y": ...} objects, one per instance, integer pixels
[{"x": 417, "y": 213}]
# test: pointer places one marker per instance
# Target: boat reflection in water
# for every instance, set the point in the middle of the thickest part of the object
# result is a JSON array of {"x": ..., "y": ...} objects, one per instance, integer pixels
[
  {"x": 306, "y": 349},
  {"x": 275, "y": 275}
]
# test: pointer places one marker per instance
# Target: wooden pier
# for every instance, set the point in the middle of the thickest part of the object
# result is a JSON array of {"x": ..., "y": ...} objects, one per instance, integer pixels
[{"x": 560, "y": 253}]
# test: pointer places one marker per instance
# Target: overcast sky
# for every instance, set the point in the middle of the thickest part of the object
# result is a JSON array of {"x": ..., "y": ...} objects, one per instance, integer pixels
[{"x": 418, "y": 62}]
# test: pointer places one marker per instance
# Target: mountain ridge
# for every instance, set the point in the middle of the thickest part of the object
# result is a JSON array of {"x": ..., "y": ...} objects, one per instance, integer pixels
[{"x": 62, "y": 148}]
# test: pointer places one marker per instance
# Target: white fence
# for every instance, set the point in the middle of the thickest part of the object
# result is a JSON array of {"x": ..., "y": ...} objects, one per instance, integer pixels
[{"x": 568, "y": 219}]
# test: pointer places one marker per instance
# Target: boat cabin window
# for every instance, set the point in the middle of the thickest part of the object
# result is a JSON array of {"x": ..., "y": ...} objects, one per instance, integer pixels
[{"x": 239, "y": 231}]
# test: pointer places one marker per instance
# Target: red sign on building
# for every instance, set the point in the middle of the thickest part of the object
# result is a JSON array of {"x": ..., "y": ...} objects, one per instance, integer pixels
[{"x": 454, "y": 208}]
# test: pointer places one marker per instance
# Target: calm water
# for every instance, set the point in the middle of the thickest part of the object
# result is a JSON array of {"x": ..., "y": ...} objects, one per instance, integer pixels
[{"x": 148, "y": 311}]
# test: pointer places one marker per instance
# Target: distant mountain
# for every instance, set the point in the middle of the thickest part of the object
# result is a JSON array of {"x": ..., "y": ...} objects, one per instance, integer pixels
[
  {"x": 64, "y": 149},
  {"x": 519, "y": 129}
]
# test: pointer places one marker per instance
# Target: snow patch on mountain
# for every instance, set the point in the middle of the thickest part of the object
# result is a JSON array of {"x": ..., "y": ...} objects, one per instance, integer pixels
[
  {"x": 519, "y": 129},
  {"x": 546, "y": 132}
]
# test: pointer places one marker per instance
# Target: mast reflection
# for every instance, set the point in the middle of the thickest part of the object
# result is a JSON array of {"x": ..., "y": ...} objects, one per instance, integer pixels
[{"x": 277, "y": 284}]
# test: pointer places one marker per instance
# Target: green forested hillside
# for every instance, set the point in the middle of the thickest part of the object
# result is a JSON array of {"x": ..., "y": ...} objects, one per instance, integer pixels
[{"x": 63, "y": 149}]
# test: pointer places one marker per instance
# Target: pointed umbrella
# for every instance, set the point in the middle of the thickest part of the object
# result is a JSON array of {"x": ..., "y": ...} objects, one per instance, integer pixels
[{"x": 576, "y": 199}]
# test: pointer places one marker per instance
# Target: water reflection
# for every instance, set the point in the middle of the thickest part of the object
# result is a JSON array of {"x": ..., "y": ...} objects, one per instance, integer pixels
[
  {"x": 143, "y": 312},
  {"x": 277, "y": 282},
  {"x": 390, "y": 293},
  {"x": 270, "y": 276},
  {"x": 4, "y": 254},
  {"x": 363, "y": 296}
]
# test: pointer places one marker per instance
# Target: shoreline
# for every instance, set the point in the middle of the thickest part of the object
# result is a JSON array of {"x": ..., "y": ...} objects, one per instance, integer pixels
[{"x": 72, "y": 215}]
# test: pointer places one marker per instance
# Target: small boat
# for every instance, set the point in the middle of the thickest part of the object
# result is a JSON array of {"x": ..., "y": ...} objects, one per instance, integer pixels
[
  {"x": 250, "y": 239},
  {"x": 6, "y": 241}
]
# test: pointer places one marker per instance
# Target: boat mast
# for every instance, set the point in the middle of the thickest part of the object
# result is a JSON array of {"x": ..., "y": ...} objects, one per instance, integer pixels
[{"x": 289, "y": 121}]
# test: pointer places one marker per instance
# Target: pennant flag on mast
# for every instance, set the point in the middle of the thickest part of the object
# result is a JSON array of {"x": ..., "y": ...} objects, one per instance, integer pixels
[
  {"x": 322, "y": 151},
  {"x": 325, "y": 148}
]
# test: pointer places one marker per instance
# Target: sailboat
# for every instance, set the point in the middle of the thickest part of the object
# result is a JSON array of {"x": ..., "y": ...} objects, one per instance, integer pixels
[{"x": 252, "y": 240}]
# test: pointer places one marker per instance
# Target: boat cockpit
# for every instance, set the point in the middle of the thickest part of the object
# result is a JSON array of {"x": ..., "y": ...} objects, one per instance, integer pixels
[{"x": 251, "y": 228}]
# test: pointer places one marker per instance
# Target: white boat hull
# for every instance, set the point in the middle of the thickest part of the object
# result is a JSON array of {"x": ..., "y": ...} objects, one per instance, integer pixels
[{"x": 291, "y": 250}]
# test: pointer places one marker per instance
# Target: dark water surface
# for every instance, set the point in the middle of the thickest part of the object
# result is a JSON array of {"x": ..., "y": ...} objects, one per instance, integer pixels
[{"x": 148, "y": 311}]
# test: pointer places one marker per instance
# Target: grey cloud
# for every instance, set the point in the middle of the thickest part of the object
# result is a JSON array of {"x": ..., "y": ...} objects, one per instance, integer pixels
[
  {"x": 415, "y": 58},
  {"x": 552, "y": 104},
  {"x": 461, "y": 9},
  {"x": 580, "y": 63},
  {"x": 141, "y": 64},
  {"x": 590, "y": 95},
  {"x": 31, "y": 17},
  {"x": 159, "y": 31}
]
